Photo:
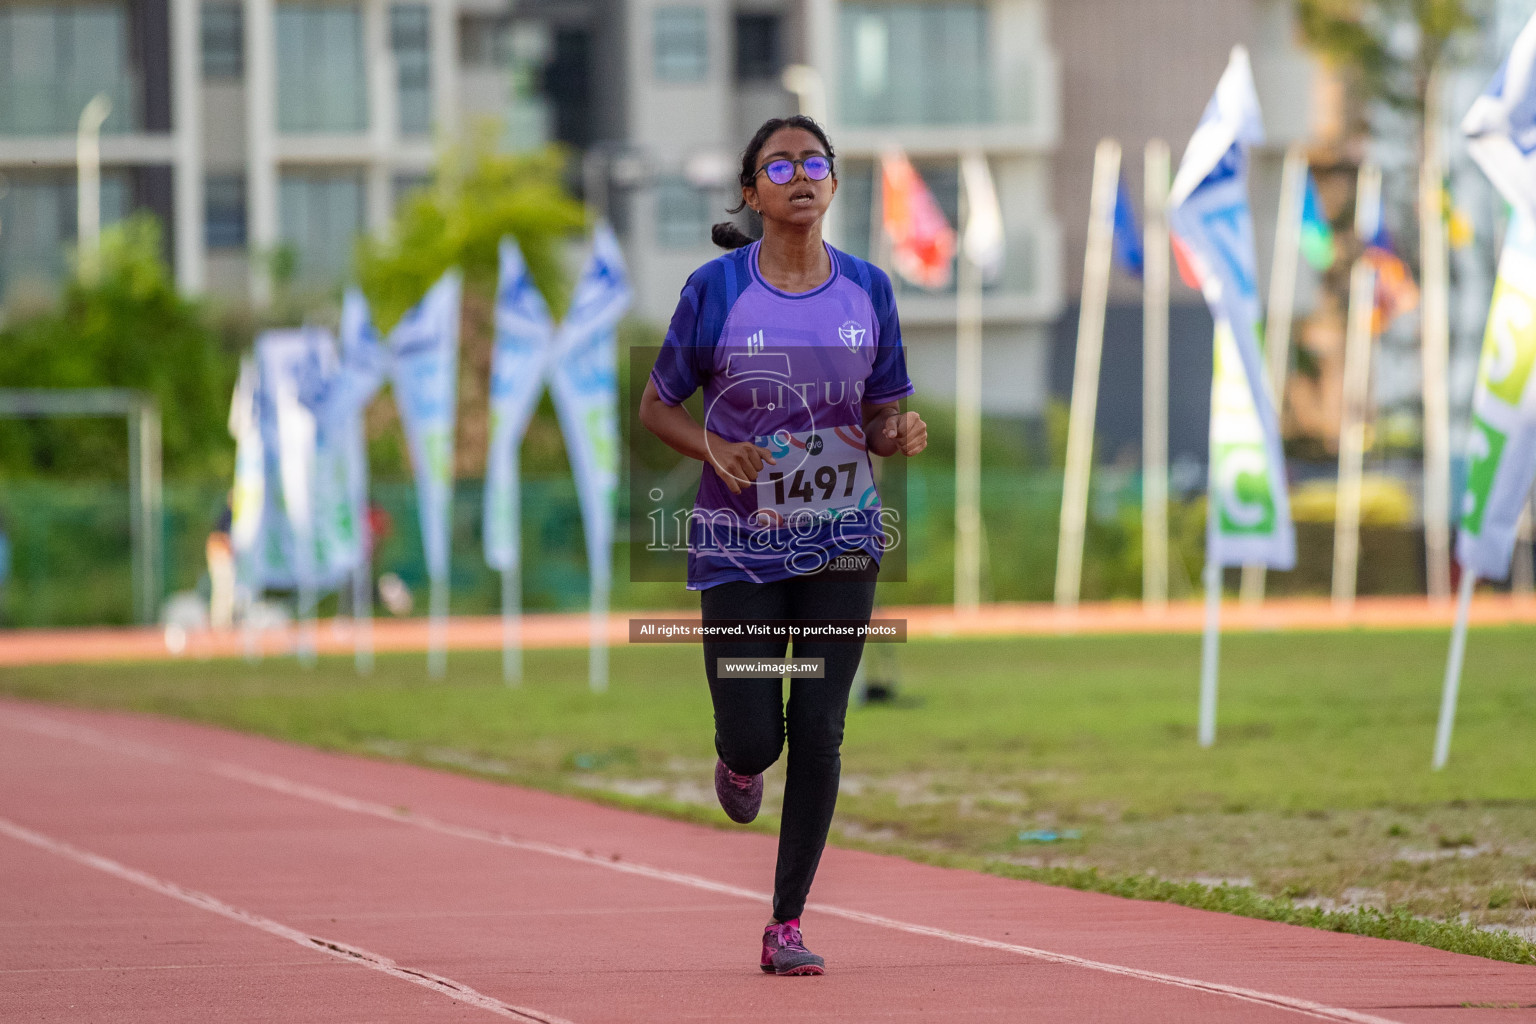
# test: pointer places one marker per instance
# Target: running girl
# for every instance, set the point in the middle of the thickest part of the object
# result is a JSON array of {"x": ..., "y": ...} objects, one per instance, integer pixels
[{"x": 798, "y": 350}]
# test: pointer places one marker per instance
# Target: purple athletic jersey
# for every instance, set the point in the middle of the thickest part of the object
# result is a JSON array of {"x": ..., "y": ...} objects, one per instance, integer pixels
[{"x": 789, "y": 372}]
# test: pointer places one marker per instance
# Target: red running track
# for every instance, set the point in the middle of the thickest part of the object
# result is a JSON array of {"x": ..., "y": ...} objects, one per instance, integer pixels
[{"x": 153, "y": 870}]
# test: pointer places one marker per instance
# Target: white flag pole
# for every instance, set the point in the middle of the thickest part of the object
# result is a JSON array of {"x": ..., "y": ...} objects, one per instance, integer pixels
[
  {"x": 362, "y": 572},
  {"x": 879, "y": 256},
  {"x": 600, "y": 558},
  {"x": 597, "y": 655},
  {"x": 512, "y": 581},
  {"x": 1085, "y": 377},
  {"x": 309, "y": 590},
  {"x": 877, "y": 237},
  {"x": 437, "y": 629},
  {"x": 250, "y": 638},
  {"x": 1522, "y": 575},
  {"x": 1453, "y": 670},
  {"x": 512, "y": 626},
  {"x": 362, "y": 612},
  {"x": 362, "y": 582},
  {"x": 250, "y": 633},
  {"x": 88, "y": 185},
  {"x": 1156, "y": 169},
  {"x": 306, "y": 644},
  {"x": 1357, "y": 387},
  {"x": 1282, "y": 304},
  {"x": 1434, "y": 317},
  {"x": 1210, "y": 646},
  {"x": 304, "y": 568},
  {"x": 967, "y": 422}
]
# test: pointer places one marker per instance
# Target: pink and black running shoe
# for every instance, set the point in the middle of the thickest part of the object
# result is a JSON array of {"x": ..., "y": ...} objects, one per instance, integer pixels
[
  {"x": 785, "y": 953},
  {"x": 740, "y": 795}
]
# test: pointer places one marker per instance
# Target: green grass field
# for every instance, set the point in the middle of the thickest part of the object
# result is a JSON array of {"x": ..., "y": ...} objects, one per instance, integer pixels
[{"x": 1316, "y": 801}]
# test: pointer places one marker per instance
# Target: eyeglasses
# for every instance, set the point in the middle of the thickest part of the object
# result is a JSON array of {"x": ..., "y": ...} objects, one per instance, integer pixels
[{"x": 782, "y": 170}]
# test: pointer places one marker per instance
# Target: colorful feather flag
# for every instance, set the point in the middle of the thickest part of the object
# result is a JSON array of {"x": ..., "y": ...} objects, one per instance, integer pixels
[
  {"x": 1458, "y": 226},
  {"x": 1502, "y": 444},
  {"x": 922, "y": 242},
  {"x": 1250, "y": 522},
  {"x": 1396, "y": 292},
  {"x": 1186, "y": 262},
  {"x": 1316, "y": 234},
  {"x": 982, "y": 239},
  {"x": 1127, "y": 249}
]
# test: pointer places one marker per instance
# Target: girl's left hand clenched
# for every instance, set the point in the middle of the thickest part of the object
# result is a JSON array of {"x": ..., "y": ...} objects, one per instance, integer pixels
[{"x": 909, "y": 432}]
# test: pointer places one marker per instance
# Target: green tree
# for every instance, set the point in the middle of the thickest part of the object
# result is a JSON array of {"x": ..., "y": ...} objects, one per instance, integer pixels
[
  {"x": 130, "y": 329},
  {"x": 476, "y": 198},
  {"x": 1390, "y": 47}
]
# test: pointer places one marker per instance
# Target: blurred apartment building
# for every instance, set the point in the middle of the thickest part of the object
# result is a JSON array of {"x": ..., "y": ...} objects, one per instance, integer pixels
[
  {"x": 244, "y": 125},
  {"x": 936, "y": 79},
  {"x": 253, "y": 125}
]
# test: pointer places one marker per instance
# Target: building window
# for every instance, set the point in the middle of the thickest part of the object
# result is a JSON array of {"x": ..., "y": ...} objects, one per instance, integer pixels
[
  {"x": 321, "y": 217},
  {"x": 567, "y": 82},
  {"x": 758, "y": 58},
  {"x": 485, "y": 40},
  {"x": 410, "y": 39},
  {"x": 322, "y": 81},
  {"x": 914, "y": 63},
  {"x": 37, "y": 210},
  {"x": 682, "y": 214},
  {"x": 54, "y": 59},
  {"x": 224, "y": 211},
  {"x": 223, "y": 40},
  {"x": 681, "y": 44}
]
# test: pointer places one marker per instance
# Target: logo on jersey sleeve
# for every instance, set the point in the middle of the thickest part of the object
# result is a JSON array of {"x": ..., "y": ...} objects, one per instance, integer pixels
[{"x": 852, "y": 334}]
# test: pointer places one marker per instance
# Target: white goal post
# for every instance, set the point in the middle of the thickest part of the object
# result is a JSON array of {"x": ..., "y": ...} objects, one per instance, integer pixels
[{"x": 144, "y": 462}]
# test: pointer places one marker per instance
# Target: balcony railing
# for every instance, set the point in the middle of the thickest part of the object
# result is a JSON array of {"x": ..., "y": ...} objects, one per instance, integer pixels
[
  {"x": 904, "y": 64},
  {"x": 929, "y": 97},
  {"x": 1020, "y": 111}
]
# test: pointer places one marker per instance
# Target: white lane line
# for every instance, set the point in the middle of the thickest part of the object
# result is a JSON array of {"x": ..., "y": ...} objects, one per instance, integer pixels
[
  {"x": 454, "y": 990},
  {"x": 288, "y": 787}
]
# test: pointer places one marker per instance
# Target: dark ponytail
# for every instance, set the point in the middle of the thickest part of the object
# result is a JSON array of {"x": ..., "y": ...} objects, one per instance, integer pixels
[{"x": 726, "y": 234}]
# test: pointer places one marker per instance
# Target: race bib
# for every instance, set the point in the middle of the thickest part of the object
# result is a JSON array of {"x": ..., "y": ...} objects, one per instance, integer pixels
[{"x": 820, "y": 473}]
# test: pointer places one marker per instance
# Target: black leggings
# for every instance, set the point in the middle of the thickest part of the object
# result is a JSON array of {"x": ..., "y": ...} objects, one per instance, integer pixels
[{"x": 751, "y": 720}]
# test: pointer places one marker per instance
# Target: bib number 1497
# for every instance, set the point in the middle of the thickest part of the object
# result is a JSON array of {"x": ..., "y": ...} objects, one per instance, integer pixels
[
  {"x": 828, "y": 484},
  {"x": 818, "y": 472}
]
